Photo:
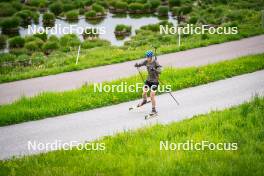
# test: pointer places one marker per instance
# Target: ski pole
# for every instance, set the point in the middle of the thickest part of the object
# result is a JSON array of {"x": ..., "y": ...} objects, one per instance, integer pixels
[
  {"x": 155, "y": 48},
  {"x": 171, "y": 94},
  {"x": 140, "y": 74}
]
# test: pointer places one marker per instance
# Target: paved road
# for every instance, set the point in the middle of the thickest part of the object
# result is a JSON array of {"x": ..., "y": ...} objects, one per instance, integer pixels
[
  {"x": 90, "y": 125},
  {"x": 70, "y": 80}
]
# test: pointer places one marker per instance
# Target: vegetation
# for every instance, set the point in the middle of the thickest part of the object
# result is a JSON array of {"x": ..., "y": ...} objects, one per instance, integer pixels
[
  {"x": 53, "y": 104},
  {"x": 87, "y": 44},
  {"x": 50, "y": 46},
  {"x": 242, "y": 14},
  {"x": 34, "y": 46},
  {"x": 97, "y": 12},
  {"x": 138, "y": 152},
  {"x": 3, "y": 39},
  {"x": 27, "y": 17},
  {"x": 68, "y": 7},
  {"x": 155, "y": 27},
  {"x": 16, "y": 42},
  {"x": 48, "y": 19},
  {"x": 163, "y": 11},
  {"x": 7, "y": 9},
  {"x": 72, "y": 15},
  {"x": 42, "y": 36},
  {"x": 56, "y": 8},
  {"x": 90, "y": 15},
  {"x": 91, "y": 33},
  {"x": 173, "y": 3},
  {"x": 98, "y": 9},
  {"x": 136, "y": 8},
  {"x": 118, "y": 6},
  {"x": 9, "y": 25},
  {"x": 154, "y": 4},
  {"x": 122, "y": 29}
]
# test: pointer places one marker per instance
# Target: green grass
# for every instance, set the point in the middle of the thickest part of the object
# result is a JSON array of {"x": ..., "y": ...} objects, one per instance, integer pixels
[
  {"x": 138, "y": 153},
  {"x": 53, "y": 104}
]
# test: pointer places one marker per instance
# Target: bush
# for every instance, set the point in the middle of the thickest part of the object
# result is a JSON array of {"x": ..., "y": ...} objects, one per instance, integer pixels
[
  {"x": 120, "y": 5},
  {"x": 22, "y": 57},
  {"x": 33, "y": 46},
  {"x": 27, "y": 16},
  {"x": 34, "y": 3},
  {"x": 81, "y": 11},
  {"x": 16, "y": 42},
  {"x": 135, "y": 7},
  {"x": 175, "y": 11},
  {"x": 235, "y": 16},
  {"x": 147, "y": 7},
  {"x": 48, "y": 19},
  {"x": 67, "y": 7},
  {"x": 193, "y": 20},
  {"x": 151, "y": 27},
  {"x": 98, "y": 8},
  {"x": 43, "y": 4},
  {"x": 88, "y": 2},
  {"x": 204, "y": 37},
  {"x": 102, "y": 3},
  {"x": 173, "y": 3},
  {"x": 7, "y": 10},
  {"x": 9, "y": 23},
  {"x": 154, "y": 4},
  {"x": 17, "y": 5},
  {"x": 30, "y": 38},
  {"x": 72, "y": 15},
  {"x": 69, "y": 40},
  {"x": 163, "y": 11},
  {"x": 42, "y": 36},
  {"x": 185, "y": 10},
  {"x": 90, "y": 14},
  {"x": 123, "y": 28},
  {"x": 156, "y": 27},
  {"x": 4, "y": 57},
  {"x": 56, "y": 8},
  {"x": 87, "y": 44},
  {"x": 3, "y": 39},
  {"x": 53, "y": 38},
  {"x": 50, "y": 46}
]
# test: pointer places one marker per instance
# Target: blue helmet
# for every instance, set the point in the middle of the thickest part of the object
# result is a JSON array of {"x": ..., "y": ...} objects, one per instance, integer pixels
[{"x": 149, "y": 54}]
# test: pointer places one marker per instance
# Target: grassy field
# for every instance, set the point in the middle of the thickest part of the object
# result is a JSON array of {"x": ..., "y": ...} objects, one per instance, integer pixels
[
  {"x": 53, "y": 104},
  {"x": 246, "y": 16},
  {"x": 138, "y": 152}
]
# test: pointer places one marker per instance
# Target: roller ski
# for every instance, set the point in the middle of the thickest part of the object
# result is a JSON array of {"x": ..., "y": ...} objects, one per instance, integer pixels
[
  {"x": 152, "y": 114},
  {"x": 139, "y": 105}
]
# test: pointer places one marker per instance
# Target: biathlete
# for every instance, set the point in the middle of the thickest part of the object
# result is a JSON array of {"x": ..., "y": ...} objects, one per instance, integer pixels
[{"x": 152, "y": 82}]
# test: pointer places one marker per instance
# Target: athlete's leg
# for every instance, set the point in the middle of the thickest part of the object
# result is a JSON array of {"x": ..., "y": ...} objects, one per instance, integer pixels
[
  {"x": 144, "y": 93},
  {"x": 144, "y": 96},
  {"x": 153, "y": 100}
]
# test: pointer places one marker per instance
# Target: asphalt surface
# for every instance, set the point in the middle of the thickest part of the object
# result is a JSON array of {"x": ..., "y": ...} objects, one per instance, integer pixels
[
  {"x": 93, "y": 124},
  {"x": 12, "y": 91}
]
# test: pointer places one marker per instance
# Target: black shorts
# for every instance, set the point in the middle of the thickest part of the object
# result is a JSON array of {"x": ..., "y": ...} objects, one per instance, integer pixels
[{"x": 151, "y": 85}]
